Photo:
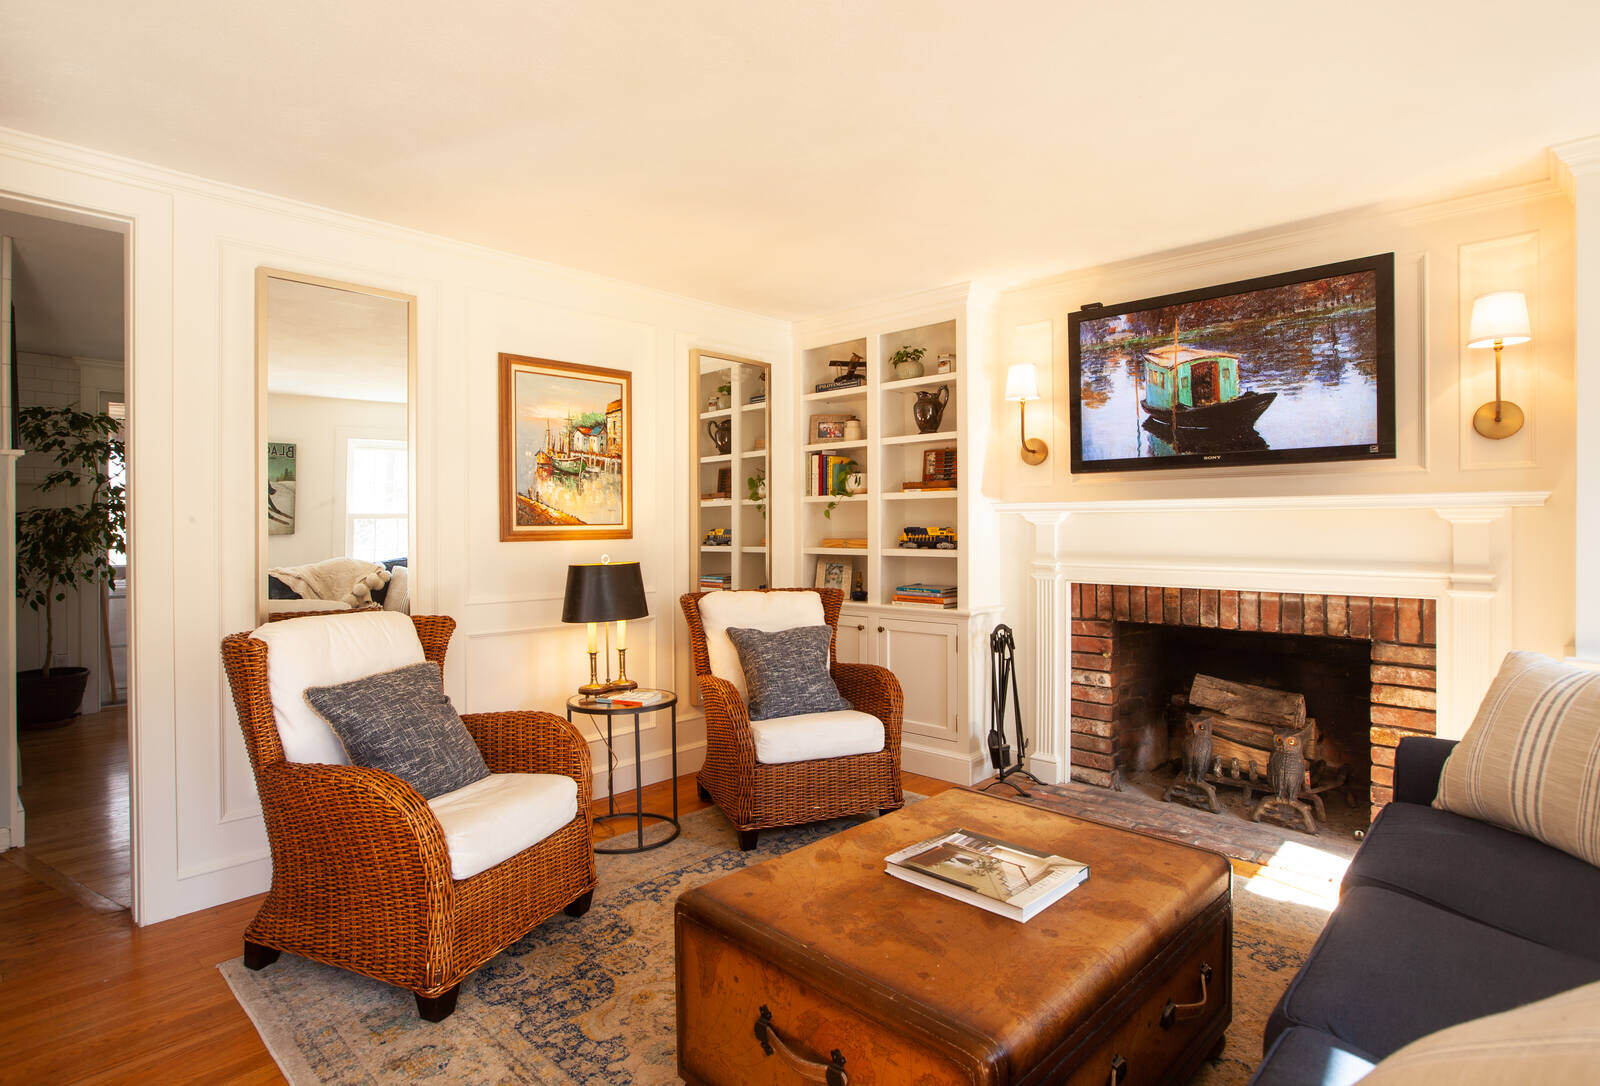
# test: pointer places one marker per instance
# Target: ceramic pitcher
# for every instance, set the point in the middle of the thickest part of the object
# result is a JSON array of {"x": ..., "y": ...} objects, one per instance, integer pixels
[
  {"x": 721, "y": 433},
  {"x": 929, "y": 409}
]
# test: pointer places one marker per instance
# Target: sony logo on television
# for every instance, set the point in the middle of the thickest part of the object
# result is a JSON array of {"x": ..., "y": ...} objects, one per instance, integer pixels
[{"x": 1212, "y": 456}]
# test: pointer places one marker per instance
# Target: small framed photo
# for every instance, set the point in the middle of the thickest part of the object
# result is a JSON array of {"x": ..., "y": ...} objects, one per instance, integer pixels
[
  {"x": 832, "y": 573},
  {"x": 828, "y": 427}
]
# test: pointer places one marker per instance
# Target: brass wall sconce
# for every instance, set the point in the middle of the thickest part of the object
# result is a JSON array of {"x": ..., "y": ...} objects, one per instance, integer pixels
[
  {"x": 1022, "y": 385},
  {"x": 1499, "y": 320}
]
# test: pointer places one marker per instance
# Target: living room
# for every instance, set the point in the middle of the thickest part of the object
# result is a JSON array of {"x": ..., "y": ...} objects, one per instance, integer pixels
[{"x": 691, "y": 199}]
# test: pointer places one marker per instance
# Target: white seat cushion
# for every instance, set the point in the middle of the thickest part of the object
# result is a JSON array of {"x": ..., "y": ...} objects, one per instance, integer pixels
[
  {"x": 810, "y": 736},
  {"x": 491, "y": 820},
  {"x": 764, "y": 611},
  {"x": 325, "y": 650}
]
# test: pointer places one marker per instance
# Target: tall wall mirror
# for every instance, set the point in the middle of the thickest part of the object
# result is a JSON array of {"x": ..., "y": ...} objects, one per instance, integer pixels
[
  {"x": 730, "y": 432},
  {"x": 336, "y": 388}
]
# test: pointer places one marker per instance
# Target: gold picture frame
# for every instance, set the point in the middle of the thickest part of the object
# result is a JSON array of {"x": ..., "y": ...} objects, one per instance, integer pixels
[{"x": 573, "y": 480}]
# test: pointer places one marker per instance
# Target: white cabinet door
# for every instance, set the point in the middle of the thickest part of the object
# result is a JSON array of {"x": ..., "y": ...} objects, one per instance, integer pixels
[
  {"x": 926, "y": 657},
  {"x": 856, "y": 641}
]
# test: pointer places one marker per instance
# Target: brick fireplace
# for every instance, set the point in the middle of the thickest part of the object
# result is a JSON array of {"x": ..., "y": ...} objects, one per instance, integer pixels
[{"x": 1117, "y": 632}]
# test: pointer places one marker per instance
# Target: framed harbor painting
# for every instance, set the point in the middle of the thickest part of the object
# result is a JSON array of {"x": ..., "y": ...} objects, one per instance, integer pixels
[
  {"x": 1289, "y": 368},
  {"x": 565, "y": 450}
]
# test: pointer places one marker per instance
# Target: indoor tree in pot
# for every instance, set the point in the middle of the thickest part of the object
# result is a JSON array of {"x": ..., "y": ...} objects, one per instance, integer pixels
[{"x": 63, "y": 547}]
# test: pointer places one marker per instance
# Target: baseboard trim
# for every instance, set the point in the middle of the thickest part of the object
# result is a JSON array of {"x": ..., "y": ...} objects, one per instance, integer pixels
[{"x": 944, "y": 765}]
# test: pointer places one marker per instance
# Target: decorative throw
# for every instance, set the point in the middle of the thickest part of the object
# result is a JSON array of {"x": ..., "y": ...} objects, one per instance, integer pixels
[
  {"x": 786, "y": 671},
  {"x": 1531, "y": 760},
  {"x": 402, "y": 722},
  {"x": 343, "y": 580},
  {"x": 1553, "y": 1042}
]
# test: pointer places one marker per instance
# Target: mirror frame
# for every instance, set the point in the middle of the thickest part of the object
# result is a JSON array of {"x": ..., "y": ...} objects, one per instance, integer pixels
[{"x": 264, "y": 277}]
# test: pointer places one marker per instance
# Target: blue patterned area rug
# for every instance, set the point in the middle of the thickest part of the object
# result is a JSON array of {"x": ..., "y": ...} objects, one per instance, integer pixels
[{"x": 589, "y": 1001}]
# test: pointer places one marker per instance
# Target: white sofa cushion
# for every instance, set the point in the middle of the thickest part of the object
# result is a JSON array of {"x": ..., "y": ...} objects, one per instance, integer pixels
[
  {"x": 809, "y": 736},
  {"x": 491, "y": 820},
  {"x": 765, "y": 611},
  {"x": 325, "y": 650}
]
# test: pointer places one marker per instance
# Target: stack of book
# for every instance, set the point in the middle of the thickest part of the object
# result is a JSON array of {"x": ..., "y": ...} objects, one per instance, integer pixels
[
  {"x": 826, "y": 474},
  {"x": 628, "y": 699},
  {"x": 715, "y": 582},
  {"x": 926, "y": 595},
  {"x": 1006, "y": 879}
]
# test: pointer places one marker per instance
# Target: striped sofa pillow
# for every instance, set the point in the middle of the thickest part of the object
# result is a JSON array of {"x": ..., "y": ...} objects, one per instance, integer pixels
[{"x": 1531, "y": 760}]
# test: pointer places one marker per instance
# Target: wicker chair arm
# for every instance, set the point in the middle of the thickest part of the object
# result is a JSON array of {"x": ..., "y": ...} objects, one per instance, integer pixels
[
  {"x": 726, "y": 713},
  {"x": 528, "y": 741},
  {"x": 875, "y": 690},
  {"x": 331, "y": 818}
]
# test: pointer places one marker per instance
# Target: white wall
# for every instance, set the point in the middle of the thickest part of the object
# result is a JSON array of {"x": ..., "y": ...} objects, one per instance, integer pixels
[
  {"x": 196, "y": 246},
  {"x": 319, "y": 427},
  {"x": 1446, "y": 253}
]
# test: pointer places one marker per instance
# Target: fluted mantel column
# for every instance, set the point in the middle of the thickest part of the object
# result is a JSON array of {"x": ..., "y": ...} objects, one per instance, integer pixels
[{"x": 1049, "y": 732}]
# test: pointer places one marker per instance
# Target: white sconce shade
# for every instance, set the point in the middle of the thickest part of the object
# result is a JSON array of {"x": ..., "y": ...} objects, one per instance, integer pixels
[
  {"x": 1501, "y": 316},
  {"x": 1022, "y": 383}
]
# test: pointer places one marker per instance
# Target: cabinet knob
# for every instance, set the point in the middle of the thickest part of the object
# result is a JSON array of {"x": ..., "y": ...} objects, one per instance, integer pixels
[
  {"x": 860, "y": 627},
  {"x": 880, "y": 629}
]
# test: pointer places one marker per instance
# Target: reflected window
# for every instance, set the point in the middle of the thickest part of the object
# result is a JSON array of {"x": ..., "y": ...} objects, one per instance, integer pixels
[{"x": 375, "y": 499}]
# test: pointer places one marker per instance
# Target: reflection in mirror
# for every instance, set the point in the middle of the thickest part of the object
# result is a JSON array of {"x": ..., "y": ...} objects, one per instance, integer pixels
[
  {"x": 729, "y": 432},
  {"x": 335, "y": 380}
]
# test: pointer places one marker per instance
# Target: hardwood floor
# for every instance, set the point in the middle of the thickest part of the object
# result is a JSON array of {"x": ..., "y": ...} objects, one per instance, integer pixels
[
  {"x": 92, "y": 999},
  {"x": 75, "y": 791}
]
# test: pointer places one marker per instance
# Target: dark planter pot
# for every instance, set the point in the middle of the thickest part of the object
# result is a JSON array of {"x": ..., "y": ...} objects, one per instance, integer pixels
[{"x": 50, "y": 702}]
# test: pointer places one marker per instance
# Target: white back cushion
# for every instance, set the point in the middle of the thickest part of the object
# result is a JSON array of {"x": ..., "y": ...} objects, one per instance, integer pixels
[
  {"x": 765, "y": 611},
  {"x": 323, "y": 650}
]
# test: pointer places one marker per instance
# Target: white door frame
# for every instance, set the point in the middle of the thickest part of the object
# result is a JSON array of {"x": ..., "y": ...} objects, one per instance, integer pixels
[{"x": 144, "y": 217}]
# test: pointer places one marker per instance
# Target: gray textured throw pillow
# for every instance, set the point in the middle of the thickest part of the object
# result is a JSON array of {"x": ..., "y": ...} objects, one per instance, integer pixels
[
  {"x": 402, "y": 722},
  {"x": 786, "y": 671}
]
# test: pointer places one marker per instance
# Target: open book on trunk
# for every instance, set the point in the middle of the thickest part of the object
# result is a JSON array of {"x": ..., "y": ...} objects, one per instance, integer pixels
[{"x": 1007, "y": 879}]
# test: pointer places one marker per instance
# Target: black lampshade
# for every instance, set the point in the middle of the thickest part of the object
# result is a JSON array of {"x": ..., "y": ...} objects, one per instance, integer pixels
[{"x": 604, "y": 592}]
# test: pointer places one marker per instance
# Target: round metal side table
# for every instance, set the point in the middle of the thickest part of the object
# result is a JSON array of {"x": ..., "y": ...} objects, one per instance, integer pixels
[{"x": 579, "y": 704}]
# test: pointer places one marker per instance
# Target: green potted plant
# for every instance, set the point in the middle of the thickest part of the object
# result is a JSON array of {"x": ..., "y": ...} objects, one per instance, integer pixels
[
  {"x": 64, "y": 547},
  {"x": 907, "y": 362},
  {"x": 756, "y": 489}
]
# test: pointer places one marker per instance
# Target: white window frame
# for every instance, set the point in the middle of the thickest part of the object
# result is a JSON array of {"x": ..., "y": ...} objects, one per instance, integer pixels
[{"x": 350, "y": 441}]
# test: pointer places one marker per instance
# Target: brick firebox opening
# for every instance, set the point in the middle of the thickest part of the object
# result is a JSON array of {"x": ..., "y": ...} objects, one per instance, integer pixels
[{"x": 1111, "y": 714}]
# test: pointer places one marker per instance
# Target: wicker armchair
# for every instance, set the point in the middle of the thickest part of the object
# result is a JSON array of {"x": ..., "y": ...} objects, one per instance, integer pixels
[
  {"x": 361, "y": 877},
  {"x": 755, "y": 796}
]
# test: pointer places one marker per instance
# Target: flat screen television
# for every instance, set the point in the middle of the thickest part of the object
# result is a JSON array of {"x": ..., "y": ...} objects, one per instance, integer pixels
[{"x": 1290, "y": 368}]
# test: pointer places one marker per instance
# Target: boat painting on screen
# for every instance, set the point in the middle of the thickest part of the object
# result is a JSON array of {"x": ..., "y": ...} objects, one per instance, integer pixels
[
  {"x": 1295, "y": 367},
  {"x": 564, "y": 442}
]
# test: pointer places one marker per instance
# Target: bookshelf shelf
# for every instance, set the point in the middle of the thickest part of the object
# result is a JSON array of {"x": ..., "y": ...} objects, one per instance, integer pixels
[
  {"x": 949, "y": 438},
  {"x": 913, "y": 383},
  {"x": 721, "y": 458},
  {"x": 834, "y": 446},
  {"x": 921, "y": 495},
  {"x": 854, "y": 392},
  {"x": 719, "y": 414},
  {"x": 840, "y": 499}
]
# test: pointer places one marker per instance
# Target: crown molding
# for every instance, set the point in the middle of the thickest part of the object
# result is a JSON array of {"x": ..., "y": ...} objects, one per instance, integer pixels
[
  {"x": 1299, "y": 234},
  {"x": 935, "y": 302},
  {"x": 45, "y": 151},
  {"x": 1574, "y": 159}
]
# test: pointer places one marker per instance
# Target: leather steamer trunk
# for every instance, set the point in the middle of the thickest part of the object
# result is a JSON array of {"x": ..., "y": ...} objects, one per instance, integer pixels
[{"x": 819, "y": 966}]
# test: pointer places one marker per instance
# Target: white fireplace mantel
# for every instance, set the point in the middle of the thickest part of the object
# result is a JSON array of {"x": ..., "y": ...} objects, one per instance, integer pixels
[{"x": 1473, "y": 589}]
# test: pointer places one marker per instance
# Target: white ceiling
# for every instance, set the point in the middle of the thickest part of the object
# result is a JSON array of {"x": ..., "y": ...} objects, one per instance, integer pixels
[
  {"x": 67, "y": 287},
  {"x": 793, "y": 158},
  {"x": 340, "y": 344}
]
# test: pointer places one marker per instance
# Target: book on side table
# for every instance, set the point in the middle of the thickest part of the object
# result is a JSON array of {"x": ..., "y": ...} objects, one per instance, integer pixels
[{"x": 1007, "y": 879}]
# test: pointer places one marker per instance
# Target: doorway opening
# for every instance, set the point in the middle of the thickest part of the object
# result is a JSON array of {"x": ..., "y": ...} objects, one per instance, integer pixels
[{"x": 66, "y": 366}]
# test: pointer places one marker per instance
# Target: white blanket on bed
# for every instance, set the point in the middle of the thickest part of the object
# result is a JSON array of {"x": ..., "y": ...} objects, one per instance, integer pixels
[{"x": 346, "y": 580}]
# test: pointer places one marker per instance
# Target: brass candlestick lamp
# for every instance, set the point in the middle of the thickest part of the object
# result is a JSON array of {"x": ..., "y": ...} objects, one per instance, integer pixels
[
  {"x": 1499, "y": 320},
  {"x": 605, "y": 592}
]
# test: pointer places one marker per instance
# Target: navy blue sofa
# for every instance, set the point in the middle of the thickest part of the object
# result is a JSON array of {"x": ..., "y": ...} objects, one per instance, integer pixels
[{"x": 1441, "y": 919}]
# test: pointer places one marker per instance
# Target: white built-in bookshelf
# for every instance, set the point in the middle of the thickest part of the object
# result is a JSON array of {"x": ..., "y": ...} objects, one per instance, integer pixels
[{"x": 890, "y": 453}]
